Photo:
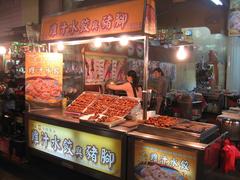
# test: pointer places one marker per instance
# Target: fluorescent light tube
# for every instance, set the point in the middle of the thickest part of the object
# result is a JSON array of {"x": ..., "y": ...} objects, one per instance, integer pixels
[{"x": 217, "y": 2}]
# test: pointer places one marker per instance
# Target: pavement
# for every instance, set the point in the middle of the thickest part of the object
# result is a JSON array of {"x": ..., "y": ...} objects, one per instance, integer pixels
[
  {"x": 37, "y": 170},
  {"x": 43, "y": 170}
]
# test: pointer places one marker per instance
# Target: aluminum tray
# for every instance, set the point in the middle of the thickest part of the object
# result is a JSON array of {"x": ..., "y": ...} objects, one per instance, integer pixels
[
  {"x": 82, "y": 112},
  {"x": 178, "y": 134},
  {"x": 84, "y": 120}
]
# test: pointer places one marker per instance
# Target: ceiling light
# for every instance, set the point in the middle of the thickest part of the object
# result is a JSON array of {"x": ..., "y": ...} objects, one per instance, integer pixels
[
  {"x": 181, "y": 53},
  {"x": 217, "y": 2},
  {"x": 97, "y": 42},
  {"x": 124, "y": 40},
  {"x": 60, "y": 46}
]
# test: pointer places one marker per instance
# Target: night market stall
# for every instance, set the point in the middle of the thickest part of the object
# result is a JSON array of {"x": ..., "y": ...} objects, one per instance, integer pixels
[{"x": 91, "y": 134}]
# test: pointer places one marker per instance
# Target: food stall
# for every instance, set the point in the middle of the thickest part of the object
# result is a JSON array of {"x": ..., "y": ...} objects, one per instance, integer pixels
[
  {"x": 92, "y": 135},
  {"x": 92, "y": 144}
]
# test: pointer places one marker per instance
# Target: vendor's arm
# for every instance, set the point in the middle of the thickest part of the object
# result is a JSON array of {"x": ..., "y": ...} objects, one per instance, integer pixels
[
  {"x": 152, "y": 87},
  {"x": 121, "y": 87}
]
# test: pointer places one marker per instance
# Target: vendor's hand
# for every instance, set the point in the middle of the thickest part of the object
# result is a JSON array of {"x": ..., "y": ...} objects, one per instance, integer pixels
[{"x": 108, "y": 86}]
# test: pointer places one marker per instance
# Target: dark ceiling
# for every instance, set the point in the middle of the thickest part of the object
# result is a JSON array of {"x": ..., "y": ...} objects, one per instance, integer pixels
[{"x": 181, "y": 13}]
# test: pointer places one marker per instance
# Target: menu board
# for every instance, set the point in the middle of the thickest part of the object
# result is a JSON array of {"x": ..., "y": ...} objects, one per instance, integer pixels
[
  {"x": 44, "y": 76},
  {"x": 234, "y": 18},
  {"x": 100, "y": 67},
  {"x": 77, "y": 146},
  {"x": 161, "y": 162}
]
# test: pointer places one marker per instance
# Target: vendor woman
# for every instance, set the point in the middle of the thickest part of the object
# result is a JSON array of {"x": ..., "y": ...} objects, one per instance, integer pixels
[{"x": 130, "y": 87}]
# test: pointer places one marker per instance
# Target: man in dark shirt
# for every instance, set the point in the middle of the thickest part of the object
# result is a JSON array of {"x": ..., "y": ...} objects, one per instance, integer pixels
[{"x": 159, "y": 86}]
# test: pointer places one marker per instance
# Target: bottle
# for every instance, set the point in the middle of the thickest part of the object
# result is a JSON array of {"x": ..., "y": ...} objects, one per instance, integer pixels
[{"x": 64, "y": 103}]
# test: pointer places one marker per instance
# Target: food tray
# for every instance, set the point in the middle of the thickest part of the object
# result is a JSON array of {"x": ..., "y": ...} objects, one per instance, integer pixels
[
  {"x": 232, "y": 114},
  {"x": 111, "y": 124},
  {"x": 83, "y": 108},
  {"x": 93, "y": 122},
  {"x": 114, "y": 107},
  {"x": 163, "y": 121},
  {"x": 196, "y": 127},
  {"x": 178, "y": 134},
  {"x": 100, "y": 106},
  {"x": 235, "y": 109}
]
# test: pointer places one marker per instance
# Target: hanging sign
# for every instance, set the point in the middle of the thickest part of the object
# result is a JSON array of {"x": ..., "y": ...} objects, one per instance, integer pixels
[
  {"x": 100, "y": 67},
  {"x": 44, "y": 76},
  {"x": 124, "y": 17},
  {"x": 77, "y": 146},
  {"x": 150, "y": 18}
]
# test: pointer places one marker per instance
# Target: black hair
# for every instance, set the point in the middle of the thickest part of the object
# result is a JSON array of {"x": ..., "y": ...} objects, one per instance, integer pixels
[
  {"x": 134, "y": 76},
  {"x": 159, "y": 70}
]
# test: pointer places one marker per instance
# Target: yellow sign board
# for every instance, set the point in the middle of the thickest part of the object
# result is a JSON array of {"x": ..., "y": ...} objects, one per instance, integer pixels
[
  {"x": 90, "y": 150},
  {"x": 158, "y": 161},
  {"x": 44, "y": 76},
  {"x": 124, "y": 17}
]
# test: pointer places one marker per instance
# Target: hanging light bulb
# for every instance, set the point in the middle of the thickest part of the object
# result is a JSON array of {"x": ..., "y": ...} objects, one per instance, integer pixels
[
  {"x": 60, "y": 46},
  {"x": 181, "y": 53},
  {"x": 124, "y": 40},
  {"x": 3, "y": 50},
  {"x": 97, "y": 42}
]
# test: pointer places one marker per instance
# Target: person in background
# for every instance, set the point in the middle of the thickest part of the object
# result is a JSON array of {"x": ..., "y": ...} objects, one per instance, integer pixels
[
  {"x": 130, "y": 87},
  {"x": 159, "y": 85}
]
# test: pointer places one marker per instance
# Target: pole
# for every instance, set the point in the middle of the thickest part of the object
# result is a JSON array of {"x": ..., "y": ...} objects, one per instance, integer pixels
[{"x": 145, "y": 77}]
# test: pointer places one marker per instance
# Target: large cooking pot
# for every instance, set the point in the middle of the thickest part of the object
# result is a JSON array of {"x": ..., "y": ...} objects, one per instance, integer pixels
[{"x": 232, "y": 126}]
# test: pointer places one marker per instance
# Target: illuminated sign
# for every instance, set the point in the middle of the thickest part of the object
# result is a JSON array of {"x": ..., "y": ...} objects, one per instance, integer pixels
[
  {"x": 159, "y": 161},
  {"x": 110, "y": 19},
  {"x": 90, "y": 150},
  {"x": 44, "y": 76}
]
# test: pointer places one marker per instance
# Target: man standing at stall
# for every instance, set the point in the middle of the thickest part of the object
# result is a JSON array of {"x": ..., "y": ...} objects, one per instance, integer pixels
[{"x": 159, "y": 86}]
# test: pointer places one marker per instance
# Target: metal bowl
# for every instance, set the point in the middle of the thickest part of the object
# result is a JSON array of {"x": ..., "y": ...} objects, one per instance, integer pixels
[{"x": 233, "y": 127}]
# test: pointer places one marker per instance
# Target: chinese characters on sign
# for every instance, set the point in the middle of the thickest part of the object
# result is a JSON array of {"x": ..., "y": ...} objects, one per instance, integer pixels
[
  {"x": 180, "y": 160},
  {"x": 50, "y": 139},
  {"x": 108, "y": 22},
  {"x": 107, "y": 157},
  {"x": 49, "y": 71},
  {"x": 123, "y": 17},
  {"x": 43, "y": 85}
]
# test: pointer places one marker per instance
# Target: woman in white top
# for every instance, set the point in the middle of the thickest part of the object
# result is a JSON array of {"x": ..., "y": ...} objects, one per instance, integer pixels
[{"x": 130, "y": 87}]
